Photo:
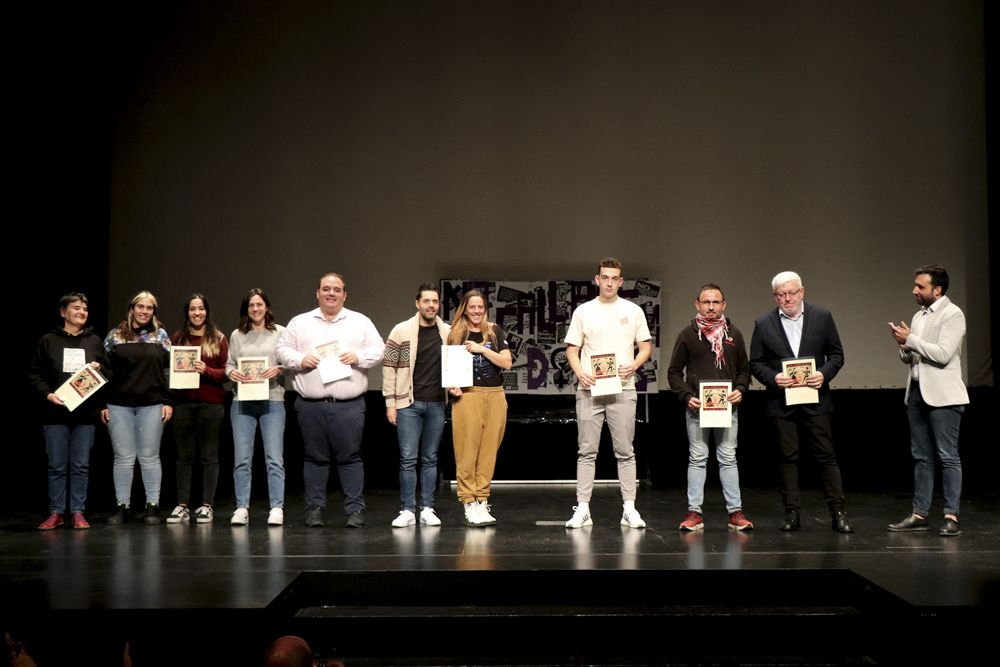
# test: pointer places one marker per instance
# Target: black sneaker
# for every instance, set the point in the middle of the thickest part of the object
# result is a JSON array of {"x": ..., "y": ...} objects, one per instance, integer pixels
[
  {"x": 120, "y": 516},
  {"x": 356, "y": 519},
  {"x": 314, "y": 517},
  {"x": 152, "y": 514}
]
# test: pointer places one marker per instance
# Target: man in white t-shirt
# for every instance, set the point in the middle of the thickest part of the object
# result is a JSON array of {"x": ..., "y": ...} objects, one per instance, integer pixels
[{"x": 602, "y": 326}]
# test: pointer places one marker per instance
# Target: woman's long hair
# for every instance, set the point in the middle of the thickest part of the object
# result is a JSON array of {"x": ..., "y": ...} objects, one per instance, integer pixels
[
  {"x": 460, "y": 326},
  {"x": 128, "y": 325},
  {"x": 245, "y": 323},
  {"x": 210, "y": 342}
]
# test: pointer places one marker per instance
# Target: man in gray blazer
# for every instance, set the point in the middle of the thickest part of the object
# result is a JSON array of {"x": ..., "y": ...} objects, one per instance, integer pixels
[
  {"x": 935, "y": 397},
  {"x": 797, "y": 329}
]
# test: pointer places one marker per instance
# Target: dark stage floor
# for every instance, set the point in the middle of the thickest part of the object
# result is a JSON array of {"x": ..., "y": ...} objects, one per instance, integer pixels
[{"x": 217, "y": 567}]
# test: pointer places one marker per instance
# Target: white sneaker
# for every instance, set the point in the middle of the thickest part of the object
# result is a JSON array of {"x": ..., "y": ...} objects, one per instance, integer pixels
[
  {"x": 486, "y": 519},
  {"x": 472, "y": 517},
  {"x": 204, "y": 514},
  {"x": 580, "y": 518},
  {"x": 240, "y": 517},
  {"x": 179, "y": 514},
  {"x": 276, "y": 516},
  {"x": 429, "y": 517},
  {"x": 632, "y": 519},
  {"x": 405, "y": 518}
]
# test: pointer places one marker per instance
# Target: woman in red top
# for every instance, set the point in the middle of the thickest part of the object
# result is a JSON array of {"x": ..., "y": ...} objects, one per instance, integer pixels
[{"x": 198, "y": 413}]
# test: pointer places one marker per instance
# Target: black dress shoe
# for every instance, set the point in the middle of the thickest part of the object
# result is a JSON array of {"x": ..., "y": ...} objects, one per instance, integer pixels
[
  {"x": 950, "y": 528},
  {"x": 314, "y": 517},
  {"x": 840, "y": 523},
  {"x": 911, "y": 523},
  {"x": 791, "y": 521}
]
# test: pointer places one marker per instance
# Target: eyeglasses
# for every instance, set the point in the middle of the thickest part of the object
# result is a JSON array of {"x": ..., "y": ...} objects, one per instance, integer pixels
[{"x": 787, "y": 295}]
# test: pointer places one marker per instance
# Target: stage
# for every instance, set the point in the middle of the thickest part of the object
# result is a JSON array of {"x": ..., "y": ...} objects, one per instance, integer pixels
[{"x": 140, "y": 581}]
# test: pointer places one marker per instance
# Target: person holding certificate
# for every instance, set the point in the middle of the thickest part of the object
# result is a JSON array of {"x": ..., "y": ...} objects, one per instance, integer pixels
[
  {"x": 604, "y": 326},
  {"x": 807, "y": 334},
  {"x": 139, "y": 404},
  {"x": 710, "y": 353},
  {"x": 69, "y": 435},
  {"x": 414, "y": 403},
  {"x": 256, "y": 339},
  {"x": 478, "y": 412},
  {"x": 199, "y": 412},
  {"x": 331, "y": 407}
]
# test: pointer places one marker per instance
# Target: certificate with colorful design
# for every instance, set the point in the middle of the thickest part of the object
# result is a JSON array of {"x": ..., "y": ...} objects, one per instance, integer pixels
[
  {"x": 604, "y": 369},
  {"x": 255, "y": 387},
  {"x": 799, "y": 370},
  {"x": 183, "y": 374},
  {"x": 81, "y": 386},
  {"x": 716, "y": 411}
]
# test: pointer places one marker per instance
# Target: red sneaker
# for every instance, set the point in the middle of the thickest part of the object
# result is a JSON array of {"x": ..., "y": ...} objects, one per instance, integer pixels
[
  {"x": 54, "y": 521},
  {"x": 80, "y": 521},
  {"x": 738, "y": 521},
  {"x": 692, "y": 521}
]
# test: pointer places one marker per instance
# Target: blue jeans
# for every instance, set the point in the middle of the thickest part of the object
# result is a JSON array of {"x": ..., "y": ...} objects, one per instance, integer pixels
[
  {"x": 725, "y": 452},
  {"x": 135, "y": 434},
  {"x": 419, "y": 428},
  {"x": 244, "y": 416},
  {"x": 934, "y": 430},
  {"x": 68, "y": 448}
]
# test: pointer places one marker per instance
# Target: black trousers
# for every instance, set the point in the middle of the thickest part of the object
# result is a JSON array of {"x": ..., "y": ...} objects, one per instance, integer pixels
[
  {"x": 816, "y": 432},
  {"x": 196, "y": 427},
  {"x": 332, "y": 431}
]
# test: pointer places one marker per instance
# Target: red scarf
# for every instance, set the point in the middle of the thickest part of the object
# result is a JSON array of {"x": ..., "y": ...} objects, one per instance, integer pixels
[{"x": 714, "y": 331}]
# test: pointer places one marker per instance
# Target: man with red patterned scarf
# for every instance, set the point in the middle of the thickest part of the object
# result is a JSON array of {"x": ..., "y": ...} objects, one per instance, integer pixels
[{"x": 710, "y": 348}]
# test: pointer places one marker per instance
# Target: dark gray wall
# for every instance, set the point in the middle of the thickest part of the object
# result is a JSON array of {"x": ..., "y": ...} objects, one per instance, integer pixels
[{"x": 261, "y": 144}]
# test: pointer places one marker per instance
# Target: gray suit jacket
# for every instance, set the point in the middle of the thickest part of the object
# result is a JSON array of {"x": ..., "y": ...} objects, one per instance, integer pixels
[{"x": 938, "y": 350}]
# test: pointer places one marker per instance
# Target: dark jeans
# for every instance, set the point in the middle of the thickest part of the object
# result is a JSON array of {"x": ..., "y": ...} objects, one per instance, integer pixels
[
  {"x": 934, "y": 430},
  {"x": 816, "y": 430},
  {"x": 332, "y": 430},
  {"x": 196, "y": 426}
]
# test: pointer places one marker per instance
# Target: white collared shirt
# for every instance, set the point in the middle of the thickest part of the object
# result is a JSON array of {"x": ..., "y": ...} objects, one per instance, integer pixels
[
  {"x": 355, "y": 333},
  {"x": 793, "y": 328}
]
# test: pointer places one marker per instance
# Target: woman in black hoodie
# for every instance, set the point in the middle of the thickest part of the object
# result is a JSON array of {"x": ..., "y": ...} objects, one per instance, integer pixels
[{"x": 69, "y": 436}]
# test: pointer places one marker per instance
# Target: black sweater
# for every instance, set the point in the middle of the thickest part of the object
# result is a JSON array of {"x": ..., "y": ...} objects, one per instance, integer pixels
[
  {"x": 695, "y": 355},
  {"x": 46, "y": 374}
]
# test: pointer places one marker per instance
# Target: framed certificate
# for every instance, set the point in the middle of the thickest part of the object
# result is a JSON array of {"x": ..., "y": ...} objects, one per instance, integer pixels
[
  {"x": 183, "y": 374},
  {"x": 331, "y": 368},
  {"x": 456, "y": 366},
  {"x": 255, "y": 387},
  {"x": 716, "y": 411},
  {"x": 81, "y": 386},
  {"x": 604, "y": 369},
  {"x": 799, "y": 370}
]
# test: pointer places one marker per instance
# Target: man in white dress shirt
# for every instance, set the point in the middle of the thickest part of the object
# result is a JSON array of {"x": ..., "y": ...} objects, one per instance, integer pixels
[{"x": 331, "y": 414}]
